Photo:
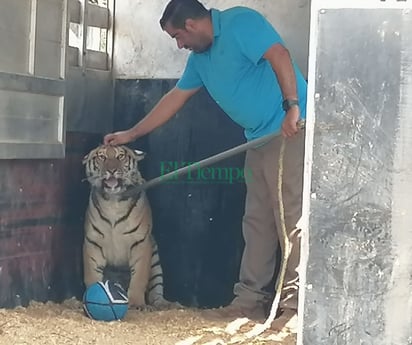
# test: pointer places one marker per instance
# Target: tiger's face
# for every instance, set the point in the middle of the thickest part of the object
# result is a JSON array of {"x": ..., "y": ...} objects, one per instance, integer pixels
[{"x": 113, "y": 169}]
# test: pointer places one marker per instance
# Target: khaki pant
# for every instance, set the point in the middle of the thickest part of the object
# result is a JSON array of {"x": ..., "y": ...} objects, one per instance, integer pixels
[{"x": 262, "y": 230}]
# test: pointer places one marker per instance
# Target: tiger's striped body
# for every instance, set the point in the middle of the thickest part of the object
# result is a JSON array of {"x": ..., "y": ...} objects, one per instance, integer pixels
[{"x": 118, "y": 229}]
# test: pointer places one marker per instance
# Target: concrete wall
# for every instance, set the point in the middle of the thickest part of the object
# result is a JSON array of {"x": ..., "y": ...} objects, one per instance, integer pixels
[{"x": 143, "y": 50}]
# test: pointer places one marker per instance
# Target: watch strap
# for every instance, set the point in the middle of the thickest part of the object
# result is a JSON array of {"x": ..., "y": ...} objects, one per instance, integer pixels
[{"x": 288, "y": 103}]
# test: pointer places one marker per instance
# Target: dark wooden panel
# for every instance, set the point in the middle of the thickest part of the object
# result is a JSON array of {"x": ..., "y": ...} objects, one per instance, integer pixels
[{"x": 42, "y": 207}]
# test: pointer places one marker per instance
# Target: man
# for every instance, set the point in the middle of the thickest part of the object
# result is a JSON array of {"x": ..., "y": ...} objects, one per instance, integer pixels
[{"x": 242, "y": 62}]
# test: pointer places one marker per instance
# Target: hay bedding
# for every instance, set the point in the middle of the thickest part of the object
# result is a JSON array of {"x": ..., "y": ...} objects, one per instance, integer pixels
[{"x": 60, "y": 324}]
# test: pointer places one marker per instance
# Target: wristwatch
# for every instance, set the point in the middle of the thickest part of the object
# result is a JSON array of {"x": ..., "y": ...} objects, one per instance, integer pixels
[{"x": 288, "y": 103}]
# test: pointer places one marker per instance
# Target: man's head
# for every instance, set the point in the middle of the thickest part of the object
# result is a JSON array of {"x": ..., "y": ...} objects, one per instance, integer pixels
[{"x": 188, "y": 21}]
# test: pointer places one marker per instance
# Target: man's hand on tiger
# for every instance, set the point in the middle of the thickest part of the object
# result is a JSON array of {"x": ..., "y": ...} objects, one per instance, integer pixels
[{"x": 118, "y": 138}]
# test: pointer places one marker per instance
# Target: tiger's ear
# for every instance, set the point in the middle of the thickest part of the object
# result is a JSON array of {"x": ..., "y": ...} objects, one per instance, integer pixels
[
  {"x": 89, "y": 155},
  {"x": 139, "y": 154},
  {"x": 85, "y": 159}
]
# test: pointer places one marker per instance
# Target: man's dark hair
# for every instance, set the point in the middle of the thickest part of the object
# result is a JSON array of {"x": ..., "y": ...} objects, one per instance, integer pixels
[{"x": 177, "y": 11}]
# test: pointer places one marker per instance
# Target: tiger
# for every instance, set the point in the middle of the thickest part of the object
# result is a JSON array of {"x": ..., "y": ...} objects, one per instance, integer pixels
[{"x": 118, "y": 226}]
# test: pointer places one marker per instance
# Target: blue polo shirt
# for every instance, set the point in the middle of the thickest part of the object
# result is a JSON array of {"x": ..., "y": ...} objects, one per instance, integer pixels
[{"x": 237, "y": 77}]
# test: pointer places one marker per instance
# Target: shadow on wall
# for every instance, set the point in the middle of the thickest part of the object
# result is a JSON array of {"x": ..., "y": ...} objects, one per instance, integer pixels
[{"x": 197, "y": 217}]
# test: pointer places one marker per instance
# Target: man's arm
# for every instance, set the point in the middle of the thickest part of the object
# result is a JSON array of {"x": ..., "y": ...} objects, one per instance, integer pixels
[
  {"x": 167, "y": 107},
  {"x": 279, "y": 58}
]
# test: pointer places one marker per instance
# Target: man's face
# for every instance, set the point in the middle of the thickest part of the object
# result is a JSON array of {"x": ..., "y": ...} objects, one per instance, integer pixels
[{"x": 191, "y": 37}]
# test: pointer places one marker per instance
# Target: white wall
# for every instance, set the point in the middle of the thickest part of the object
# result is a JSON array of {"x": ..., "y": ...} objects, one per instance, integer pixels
[{"x": 142, "y": 50}]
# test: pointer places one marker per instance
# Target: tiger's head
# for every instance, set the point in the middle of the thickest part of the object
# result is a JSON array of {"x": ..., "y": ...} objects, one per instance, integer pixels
[{"x": 113, "y": 169}]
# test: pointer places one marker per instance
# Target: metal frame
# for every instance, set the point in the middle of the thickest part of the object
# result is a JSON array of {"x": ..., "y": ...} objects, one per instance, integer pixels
[
  {"x": 31, "y": 83},
  {"x": 317, "y": 8},
  {"x": 25, "y": 83},
  {"x": 90, "y": 15}
]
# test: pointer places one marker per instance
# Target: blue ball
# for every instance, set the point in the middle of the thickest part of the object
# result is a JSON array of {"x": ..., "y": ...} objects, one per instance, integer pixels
[{"x": 105, "y": 301}]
